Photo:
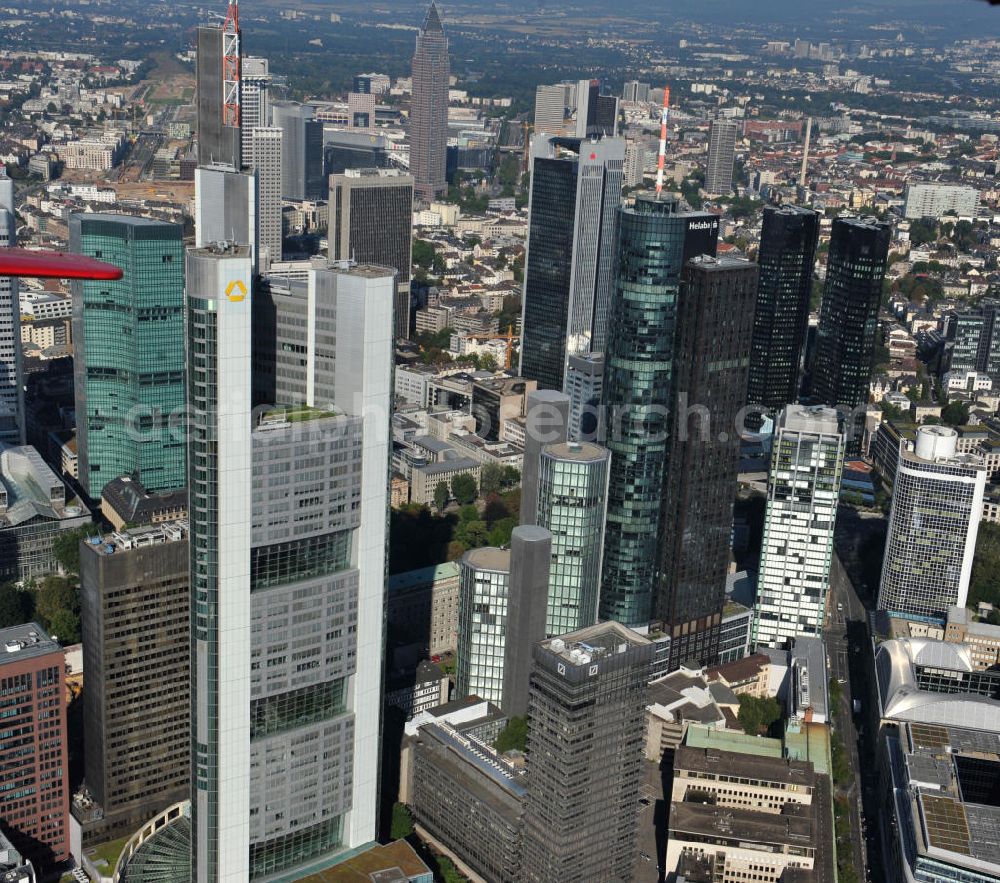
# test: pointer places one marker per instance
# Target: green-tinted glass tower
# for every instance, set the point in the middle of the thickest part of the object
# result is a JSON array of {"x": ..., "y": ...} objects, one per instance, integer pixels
[
  {"x": 128, "y": 344},
  {"x": 654, "y": 241}
]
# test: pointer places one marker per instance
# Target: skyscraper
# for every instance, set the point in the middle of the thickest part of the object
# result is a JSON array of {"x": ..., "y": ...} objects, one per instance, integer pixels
[
  {"x": 265, "y": 158},
  {"x": 848, "y": 321},
  {"x": 290, "y": 510},
  {"x": 712, "y": 352},
  {"x": 937, "y": 503},
  {"x": 787, "y": 253},
  {"x": 572, "y": 503},
  {"x": 803, "y": 490},
  {"x": 721, "y": 156},
  {"x": 301, "y": 150},
  {"x": 11, "y": 386},
  {"x": 255, "y": 101},
  {"x": 429, "y": 108},
  {"x": 586, "y": 730},
  {"x": 128, "y": 342},
  {"x": 654, "y": 241},
  {"x": 569, "y": 261},
  {"x": 219, "y": 139},
  {"x": 584, "y": 385},
  {"x": 482, "y": 621},
  {"x": 575, "y": 109},
  {"x": 546, "y": 418},
  {"x": 34, "y": 760},
  {"x": 530, "y": 557},
  {"x": 226, "y": 208},
  {"x": 371, "y": 222},
  {"x": 136, "y": 617},
  {"x": 974, "y": 339}
]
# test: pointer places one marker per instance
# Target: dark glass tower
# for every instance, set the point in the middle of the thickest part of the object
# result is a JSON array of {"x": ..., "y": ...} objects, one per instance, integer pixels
[
  {"x": 848, "y": 322},
  {"x": 575, "y": 192},
  {"x": 654, "y": 241},
  {"x": 712, "y": 354},
  {"x": 429, "y": 109},
  {"x": 787, "y": 254}
]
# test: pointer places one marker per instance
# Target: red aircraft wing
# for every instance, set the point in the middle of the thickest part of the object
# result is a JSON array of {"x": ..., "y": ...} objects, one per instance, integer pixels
[{"x": 54, "y": 265}]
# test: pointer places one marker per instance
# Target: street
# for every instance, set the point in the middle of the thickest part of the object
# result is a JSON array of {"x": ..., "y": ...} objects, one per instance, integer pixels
[{"x": 849, "y": 653}]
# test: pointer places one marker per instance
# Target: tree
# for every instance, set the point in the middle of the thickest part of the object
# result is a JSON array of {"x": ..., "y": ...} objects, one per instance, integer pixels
[
  {"x": 402, "y": 822},
  {"x": 923, "y": 231},
  {"x": 66, "y": 548},
  {"x": 500, "y": 532},
  {"x": 488, "y": 362},
  {"x": 955, "y": 414},
  {"x": 841, "y": 771},
  {"x": 514, "y": 736},
  {"x": 757, "y": 715},
  {"x": 511, "y": 476},
  {"x": 491, "y": 479},
  {"x": 468, "y": 512},
  {"x": 441, "y": 495},
  {"x": 65, "y": 625},
  {"x": 463, "y": 488},
  {"x": 16, "y": 606},
  {"x": 984, "y": 584},
  {"x": 472, "y": 534}
]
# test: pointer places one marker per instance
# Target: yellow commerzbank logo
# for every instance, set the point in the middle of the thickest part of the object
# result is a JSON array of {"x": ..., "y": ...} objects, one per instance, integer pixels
[{"x": 236, "y": 291}]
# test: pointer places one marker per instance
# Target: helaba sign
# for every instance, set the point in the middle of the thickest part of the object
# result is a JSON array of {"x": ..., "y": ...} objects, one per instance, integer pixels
[{"x": 703, "y": 225}]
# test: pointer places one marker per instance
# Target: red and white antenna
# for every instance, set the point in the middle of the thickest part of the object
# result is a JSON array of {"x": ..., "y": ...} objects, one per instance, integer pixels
[
  {"x": 664, "y": 116},
  {"x": 231, "y": 66}
]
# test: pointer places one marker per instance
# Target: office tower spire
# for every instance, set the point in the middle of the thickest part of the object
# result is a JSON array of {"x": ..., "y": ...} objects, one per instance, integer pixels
[
  {"x": 786, "y": 257},
  {"x": 429, "y": 108},
  {"x": 569, "y": 263}
]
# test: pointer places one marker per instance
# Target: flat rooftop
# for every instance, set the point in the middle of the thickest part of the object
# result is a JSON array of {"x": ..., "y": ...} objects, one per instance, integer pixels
[
  {"x": 26, "y": 641},
  {"x": 715, "y": 762},
  {"x": 488, "y": 558},
  {"x": 602, "y": 640},
  {"x": 139, "y": 537},
  {"x": 583, "y": 452},
  {"x": 794, "y": 826}
]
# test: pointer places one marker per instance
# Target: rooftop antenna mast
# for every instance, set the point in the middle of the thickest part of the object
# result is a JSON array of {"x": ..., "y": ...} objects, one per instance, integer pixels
[
  {"x": 664, "y": 116},
  {"x": 231, "y": 66}
]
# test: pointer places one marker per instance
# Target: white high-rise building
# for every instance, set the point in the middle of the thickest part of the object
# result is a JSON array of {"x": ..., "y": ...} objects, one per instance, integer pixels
[
  {"x": 635, "y": 162},
  {"x": 721, "y": 156},
  {"x": 255, "y": 104},
  {"x": 265, "y": 158},
  {"x": 803, "y": 489},
  {"x": 937, "y": 503},
  {"x": 936, "y": 200},
  {"x": 289, "y": 537},
  {"x": 226, "y": 208},
  {"x": 11, "y": 386}
]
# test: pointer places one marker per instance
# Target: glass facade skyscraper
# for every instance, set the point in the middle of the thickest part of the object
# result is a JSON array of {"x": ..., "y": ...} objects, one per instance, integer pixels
[
  {"x": 654, "y": 241},
  {"x": 572, "y": 501},
  {"x": 712, "y": 355},
  {"x": 848, "y": 322},
  {"x": 128, "y": 343},
  {"x": 937, "y": 503},
  {"x": 482, "y": 621},
  {"x": 803, "y": 490},
  {"x": 569, "y": 261},
  {"x": 787, "y": 253},
  {"x": 11, "y": 383}
]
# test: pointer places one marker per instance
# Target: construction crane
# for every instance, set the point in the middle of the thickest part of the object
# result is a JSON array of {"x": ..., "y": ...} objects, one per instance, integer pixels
[
  {"x": 664, "y": 118},
  {"x": 509, "y": 337},
  {"x": 231, "y": 66}
]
